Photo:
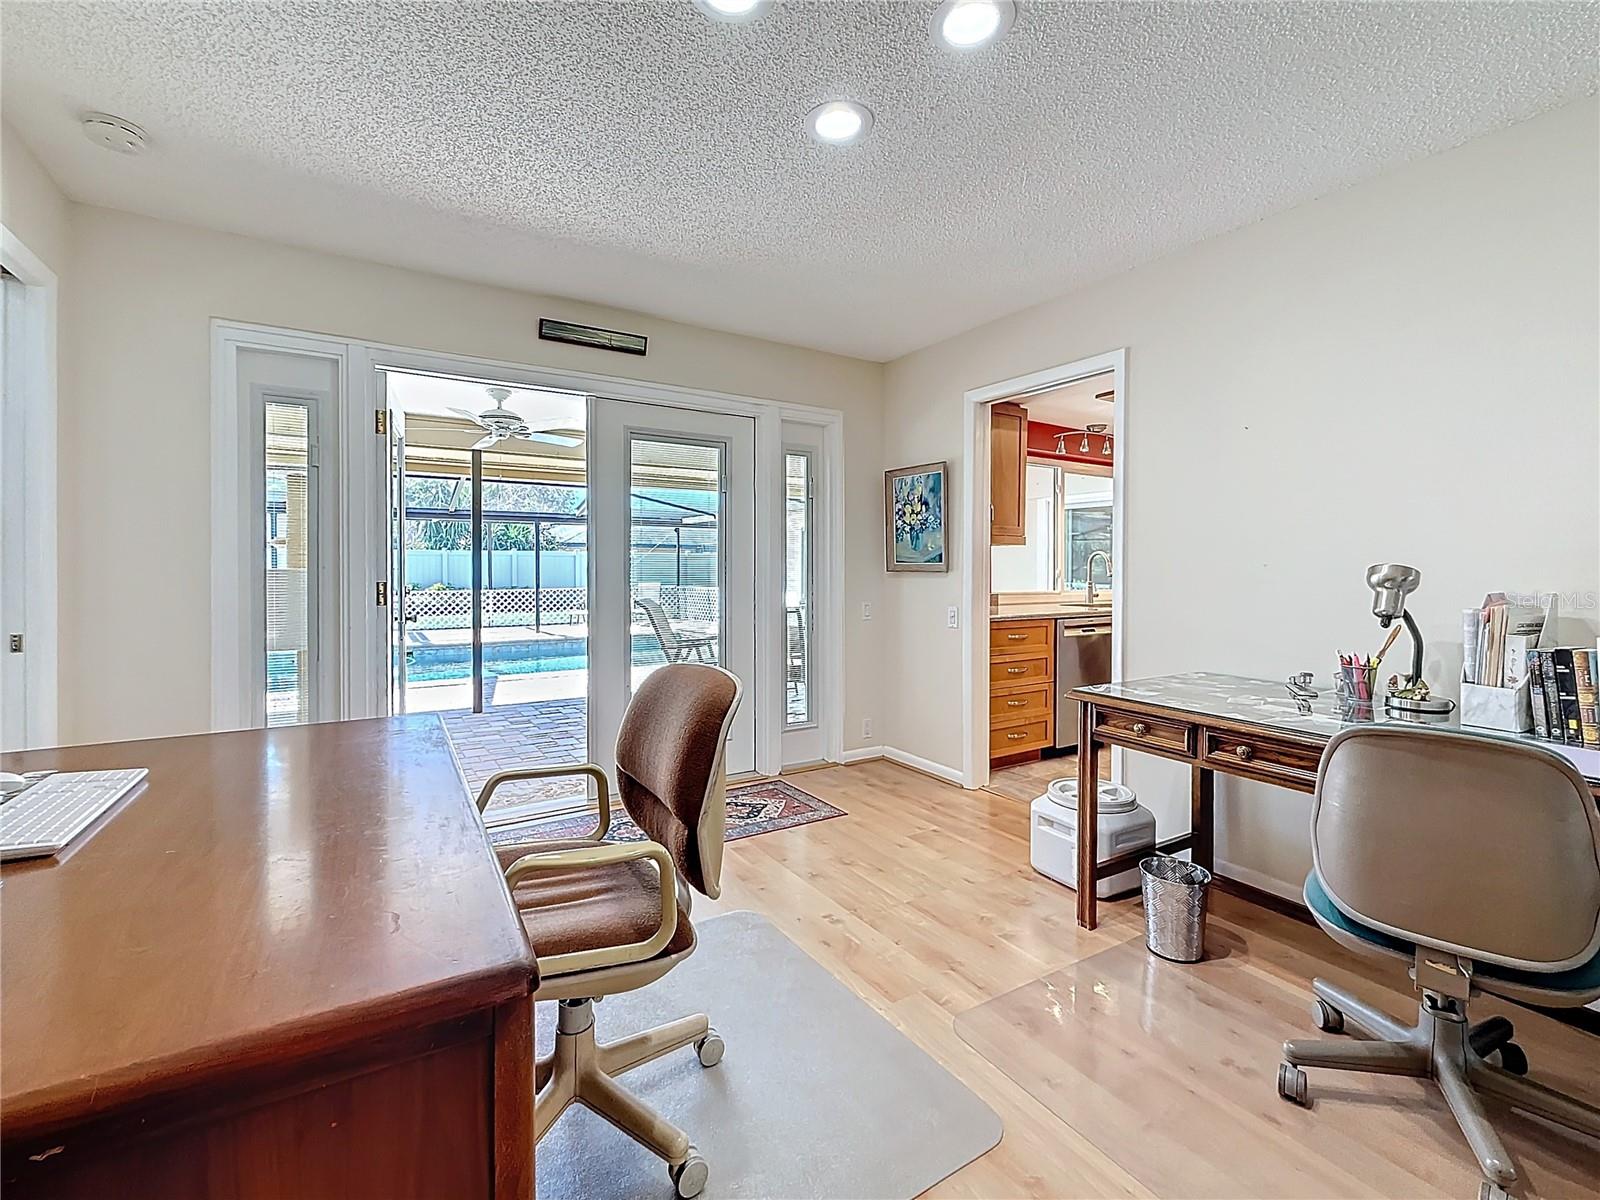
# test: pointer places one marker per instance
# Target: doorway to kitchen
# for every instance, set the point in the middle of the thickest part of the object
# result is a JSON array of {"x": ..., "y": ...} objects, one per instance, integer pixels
[{"x": 1046, "y": 527}]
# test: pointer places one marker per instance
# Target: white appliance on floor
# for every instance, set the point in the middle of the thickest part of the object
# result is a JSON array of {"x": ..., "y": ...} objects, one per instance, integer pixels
[{"x": 1053, "y": 833}]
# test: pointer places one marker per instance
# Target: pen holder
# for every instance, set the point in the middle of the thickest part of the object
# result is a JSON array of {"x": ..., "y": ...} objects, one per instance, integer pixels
[{"x": 1355, "y": 688}]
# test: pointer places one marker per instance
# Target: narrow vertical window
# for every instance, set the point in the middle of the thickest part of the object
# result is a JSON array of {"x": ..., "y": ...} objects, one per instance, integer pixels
[
  {"x": 290, "y": 521},
  {"x": 797, "y": 587}
]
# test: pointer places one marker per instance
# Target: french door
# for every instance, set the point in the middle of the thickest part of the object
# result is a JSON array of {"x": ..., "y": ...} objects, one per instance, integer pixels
[{"x": 672, "y": 573}]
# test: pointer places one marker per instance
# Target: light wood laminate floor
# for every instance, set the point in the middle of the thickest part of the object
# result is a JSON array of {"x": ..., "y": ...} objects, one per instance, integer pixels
[{"x": 922, "y": 901}]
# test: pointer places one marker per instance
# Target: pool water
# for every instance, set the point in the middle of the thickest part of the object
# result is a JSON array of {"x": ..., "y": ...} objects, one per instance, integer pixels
[{"x": 440, "y": 664}]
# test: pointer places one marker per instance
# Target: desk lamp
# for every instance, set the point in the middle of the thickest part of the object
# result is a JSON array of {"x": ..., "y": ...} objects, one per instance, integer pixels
[{"x": 1391, "y": 583}]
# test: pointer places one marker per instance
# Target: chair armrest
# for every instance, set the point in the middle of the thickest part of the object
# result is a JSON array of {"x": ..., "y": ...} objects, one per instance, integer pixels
[
  {"x": 559, "y": 771},
  {"x": 530, "y": 865}
]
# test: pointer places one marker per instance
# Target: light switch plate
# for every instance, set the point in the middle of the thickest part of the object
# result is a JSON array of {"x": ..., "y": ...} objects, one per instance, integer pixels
[
  {"x": 866, "y": 611},
  {"x": 952, "y": 617}
]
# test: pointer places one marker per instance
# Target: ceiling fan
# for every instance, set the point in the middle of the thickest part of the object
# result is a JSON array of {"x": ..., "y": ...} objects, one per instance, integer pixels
[{"x": 502, "y": 424}]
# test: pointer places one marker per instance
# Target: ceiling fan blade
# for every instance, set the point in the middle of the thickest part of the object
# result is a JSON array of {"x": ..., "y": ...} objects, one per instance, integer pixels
[
  {"x": 471, "y": 416},
  {"x": 553, "y": 439},
  {"x": 484, "y": 443}
]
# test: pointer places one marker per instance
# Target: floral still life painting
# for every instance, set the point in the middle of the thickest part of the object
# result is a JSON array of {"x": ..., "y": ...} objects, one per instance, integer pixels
[{"x": 914, "y": 504}]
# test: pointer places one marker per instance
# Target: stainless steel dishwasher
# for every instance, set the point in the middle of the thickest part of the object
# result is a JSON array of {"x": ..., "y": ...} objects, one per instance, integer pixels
[{"x": 1083, "y": 656}]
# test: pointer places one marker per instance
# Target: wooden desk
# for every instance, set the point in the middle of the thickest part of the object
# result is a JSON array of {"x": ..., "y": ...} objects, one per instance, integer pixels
[
  {"x": 1247, "y": 728},
  {"x": 287, "y": 965}
]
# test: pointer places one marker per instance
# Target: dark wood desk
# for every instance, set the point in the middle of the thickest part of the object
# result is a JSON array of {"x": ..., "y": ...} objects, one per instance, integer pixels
[
  {"x": 1247, "y": 728},
  {"x": 285, "y": 966}
]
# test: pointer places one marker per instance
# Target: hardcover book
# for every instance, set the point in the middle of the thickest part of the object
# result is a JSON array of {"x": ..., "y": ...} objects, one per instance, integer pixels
[
  {"x": 1541, "y": 718},
  {"x": 1567, "y": 696},
  {"x": 1583, "y": 668},
  {"x": 1552, "y": 700}
]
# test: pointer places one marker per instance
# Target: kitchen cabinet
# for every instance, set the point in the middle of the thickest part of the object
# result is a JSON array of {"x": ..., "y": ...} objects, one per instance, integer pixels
[
  {"x": 1008, "y": 474},
  {"x": 1021, "y": 695}
]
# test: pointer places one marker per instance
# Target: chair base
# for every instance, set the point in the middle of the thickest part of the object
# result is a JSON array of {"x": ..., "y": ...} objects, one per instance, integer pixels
[
  {"x": 581, "y": 1071},
  {"x": 1443, "y": 1047}
]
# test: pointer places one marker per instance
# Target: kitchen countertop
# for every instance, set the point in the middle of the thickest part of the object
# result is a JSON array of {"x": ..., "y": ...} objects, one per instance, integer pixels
[{"x": 1051, "y": 610}]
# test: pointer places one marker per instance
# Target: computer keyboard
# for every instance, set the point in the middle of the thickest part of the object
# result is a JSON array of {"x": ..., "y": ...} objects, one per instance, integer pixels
[{"x": 45, "y": 817}]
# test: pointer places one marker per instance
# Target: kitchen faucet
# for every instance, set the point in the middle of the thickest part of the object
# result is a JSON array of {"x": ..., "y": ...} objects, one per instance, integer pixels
[{"x": 1092, "y": 557}]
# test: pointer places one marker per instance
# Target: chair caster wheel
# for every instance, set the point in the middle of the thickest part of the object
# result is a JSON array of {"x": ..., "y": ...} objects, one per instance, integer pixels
[
  {"x": 710, "y": 1048},
  {"x": 1328, "y": 1018},
  {"x": 689, "y": 1176},
  {"x": 1492, "y": 1191},
  {"x": 1292, "y": 1084},
  {"x": 1512, "y": 1058}
]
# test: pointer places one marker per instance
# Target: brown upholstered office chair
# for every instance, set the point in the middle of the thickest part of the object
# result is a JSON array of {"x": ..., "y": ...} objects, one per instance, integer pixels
[
  {"x": 1478, "y": 862},
  {"x": 606, "y": 917}
]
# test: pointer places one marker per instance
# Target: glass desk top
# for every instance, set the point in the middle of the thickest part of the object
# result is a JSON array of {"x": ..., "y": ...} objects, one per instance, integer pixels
[{"x": 1268, "y": 705}]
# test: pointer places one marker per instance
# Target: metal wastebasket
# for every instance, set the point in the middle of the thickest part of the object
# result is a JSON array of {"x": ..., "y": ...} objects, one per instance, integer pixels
[{"x": 1174, "y": 907}]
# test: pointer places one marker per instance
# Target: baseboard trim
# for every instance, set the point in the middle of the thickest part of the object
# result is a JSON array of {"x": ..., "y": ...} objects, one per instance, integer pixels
[
  {"x": 1291, "y": 892},
  {"x": 926, "y": 766},
  {"x": 1261, "y": 897},
  {"x": 902, "y": 758}
]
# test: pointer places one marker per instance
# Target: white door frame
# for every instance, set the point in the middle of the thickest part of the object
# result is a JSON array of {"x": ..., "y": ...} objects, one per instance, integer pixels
[
  {"x": 30, "y": 387},
  {"x": 975, "y": 564},
  {"x": 364, "y": 514}
]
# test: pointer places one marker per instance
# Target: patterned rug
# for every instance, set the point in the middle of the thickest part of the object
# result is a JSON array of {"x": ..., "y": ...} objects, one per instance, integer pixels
[{"x": 753, "y": 808}]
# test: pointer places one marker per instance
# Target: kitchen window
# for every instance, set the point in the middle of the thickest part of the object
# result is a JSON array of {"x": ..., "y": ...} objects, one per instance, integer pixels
[{"x": 1067, "y": 519}]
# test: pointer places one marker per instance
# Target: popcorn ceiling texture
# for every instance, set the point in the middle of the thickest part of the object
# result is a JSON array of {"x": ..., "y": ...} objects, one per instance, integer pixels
[{"x": 643, "y": 156}]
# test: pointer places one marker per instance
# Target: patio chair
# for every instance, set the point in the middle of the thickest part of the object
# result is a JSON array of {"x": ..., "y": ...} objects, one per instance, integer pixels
[
  {"x": 796, "y": 673},
  {"x": 677, "y": 647}
]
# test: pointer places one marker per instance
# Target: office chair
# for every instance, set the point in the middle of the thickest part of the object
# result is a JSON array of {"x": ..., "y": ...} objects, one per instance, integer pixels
[
  {"x": 607, "y": 917},
  {"x": 1478, "y": 862}
]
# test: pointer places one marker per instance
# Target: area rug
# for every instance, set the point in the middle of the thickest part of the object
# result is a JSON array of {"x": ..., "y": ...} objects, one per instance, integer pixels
[
  {"x": 753, "y": 808},
  {"x": 1171, "y": 1071},
  {"x": 817, "y": 1096}
]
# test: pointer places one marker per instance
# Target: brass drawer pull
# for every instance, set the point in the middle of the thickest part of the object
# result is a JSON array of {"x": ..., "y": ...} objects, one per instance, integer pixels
[
  {"x": 1243, "y": 753},
  {"x": 1016, "y": 637},
  {"x": 1015, "y": 737},
  {"x": 1140, "y": 729},
  {"x": 1016, "y": 670},
  {"x": 1016, "y": 704}
]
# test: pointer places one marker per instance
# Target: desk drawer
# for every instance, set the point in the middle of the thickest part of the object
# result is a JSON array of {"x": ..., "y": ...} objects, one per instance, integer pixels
[
  {"x": 1170, "y": 736},
  {"x": 1006, "y": 671},
  {"x": 1019, "y": 706},
  {"x": 1010, "y": 638},
  {"x": 1018, "y": 739},
  {"x": 1263, "y": 756}
]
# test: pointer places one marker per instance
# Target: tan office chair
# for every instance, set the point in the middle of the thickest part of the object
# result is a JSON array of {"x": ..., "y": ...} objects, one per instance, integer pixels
[
  {"x": 1478, "y": 862},
  {"x": 606, "y": 917}
]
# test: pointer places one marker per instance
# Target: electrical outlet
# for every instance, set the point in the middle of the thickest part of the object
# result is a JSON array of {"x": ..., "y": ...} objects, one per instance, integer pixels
[
  {"x": 952, "y": 617},
  {"x": 866, "y": 727},
  {"x": 866, "y": 611}
]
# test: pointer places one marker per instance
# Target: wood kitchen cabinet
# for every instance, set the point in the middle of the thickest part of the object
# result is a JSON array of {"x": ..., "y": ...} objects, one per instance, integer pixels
[
  {"x": 1008, "y": 474},
  {"x": 1021, "y": 688}
]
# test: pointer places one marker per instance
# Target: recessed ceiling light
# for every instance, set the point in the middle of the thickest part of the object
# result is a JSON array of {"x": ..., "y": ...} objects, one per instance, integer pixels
[
  {"x": 732, "y": 10},
  {"x": 969, "y": 24},
  {"x": 839, "y": 122}
]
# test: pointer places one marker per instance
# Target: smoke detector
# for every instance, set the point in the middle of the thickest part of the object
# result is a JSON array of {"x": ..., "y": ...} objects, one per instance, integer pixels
[{"x": 113, "y": 133}]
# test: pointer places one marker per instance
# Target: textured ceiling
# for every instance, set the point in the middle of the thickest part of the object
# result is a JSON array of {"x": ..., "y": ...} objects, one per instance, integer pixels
[{"x": 643, "y": 156}]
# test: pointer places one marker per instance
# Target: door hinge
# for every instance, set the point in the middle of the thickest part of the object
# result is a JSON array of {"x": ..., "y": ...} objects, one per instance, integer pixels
[
  {"x": 382, "y": 598},
  {"x": 380, "y": 423},
  {"x": 15, "y": 641}
]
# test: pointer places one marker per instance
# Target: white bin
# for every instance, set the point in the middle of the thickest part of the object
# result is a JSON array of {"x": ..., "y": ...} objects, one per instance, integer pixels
[{"x": 1053, "y": 839}]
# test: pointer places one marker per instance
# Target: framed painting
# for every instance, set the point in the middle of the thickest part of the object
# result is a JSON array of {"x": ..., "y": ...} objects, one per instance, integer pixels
[{"x": 913, "y": 499}]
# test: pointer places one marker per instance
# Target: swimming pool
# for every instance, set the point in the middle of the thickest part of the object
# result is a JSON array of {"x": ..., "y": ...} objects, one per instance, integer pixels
[{"x": 440, "y": 664}]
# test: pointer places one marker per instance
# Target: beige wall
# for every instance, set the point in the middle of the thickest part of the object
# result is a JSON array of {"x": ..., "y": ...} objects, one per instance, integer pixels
[
  {"x": 135, "y": 476},
  {"x": 1408, "y": 370},
  {"x": 31, "y": 205}
]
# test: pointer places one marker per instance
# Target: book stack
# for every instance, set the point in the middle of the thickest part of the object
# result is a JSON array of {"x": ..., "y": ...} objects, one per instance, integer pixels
[
  {"x": 1562, "y": 683},
  {"x": 1498, "y": 641}
]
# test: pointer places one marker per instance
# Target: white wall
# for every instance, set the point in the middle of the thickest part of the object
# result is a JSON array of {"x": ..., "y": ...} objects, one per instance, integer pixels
[
  {"x": 135, "y": 435},
  {"x": 1408, "y": 370}
]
